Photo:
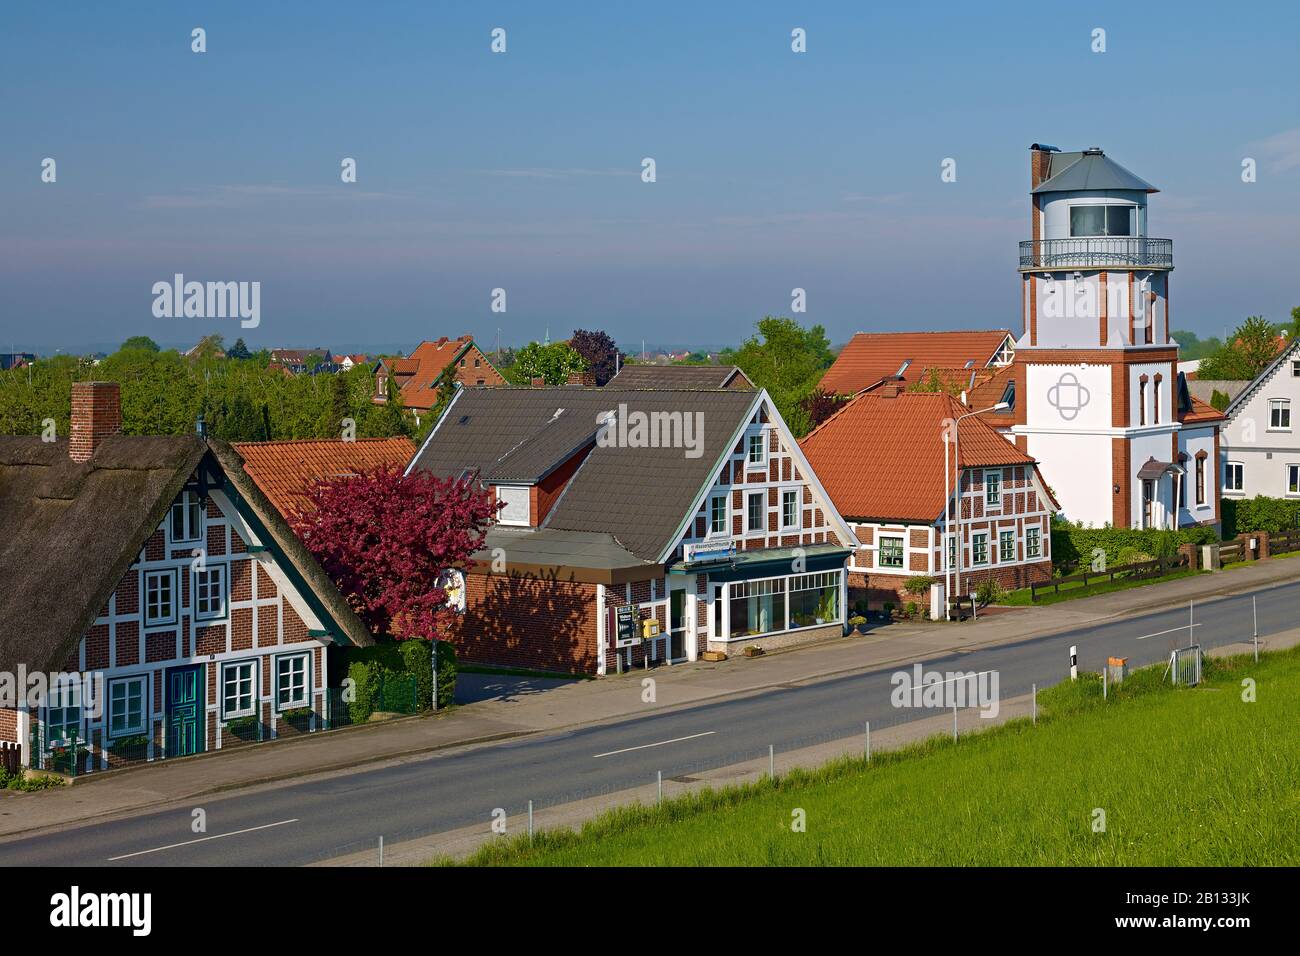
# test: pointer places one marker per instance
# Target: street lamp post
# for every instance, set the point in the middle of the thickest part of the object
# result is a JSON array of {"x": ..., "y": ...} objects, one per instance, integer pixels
[{"x": 956, "y": 454}]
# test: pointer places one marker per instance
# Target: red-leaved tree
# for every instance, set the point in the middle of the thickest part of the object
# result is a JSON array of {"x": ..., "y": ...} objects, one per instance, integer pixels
[{"x": 386, "y": 540}]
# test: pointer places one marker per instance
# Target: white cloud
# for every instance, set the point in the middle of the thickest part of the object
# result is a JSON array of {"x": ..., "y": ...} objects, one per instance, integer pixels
[{"x": 1281, "y": 150}]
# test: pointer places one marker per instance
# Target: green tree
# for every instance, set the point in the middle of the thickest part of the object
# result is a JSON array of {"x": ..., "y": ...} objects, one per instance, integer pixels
[
  {"x": 239, "y": 350},
  {"x": 552, "y": 363},
  {"x": 140, "y": 342},
  {"x": 1250, "y": 349},
  {"x": 787, "y": 360}
]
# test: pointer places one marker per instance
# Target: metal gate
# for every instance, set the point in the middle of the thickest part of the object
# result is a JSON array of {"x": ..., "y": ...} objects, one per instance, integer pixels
[{"x": 1185, "y": 665}]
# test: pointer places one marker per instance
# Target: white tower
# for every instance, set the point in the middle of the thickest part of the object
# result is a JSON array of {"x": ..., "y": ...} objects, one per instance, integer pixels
[{"x": 1098, "y": 399}]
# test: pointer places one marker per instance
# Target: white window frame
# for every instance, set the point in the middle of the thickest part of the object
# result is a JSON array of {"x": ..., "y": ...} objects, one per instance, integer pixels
[
  {"x": 1228, "y": 484},
  {"x": 995, "y": 498},
  {"x": 902, "y": 551},
  {"x": 761, "y": 437},
  {"x": 797, "y": 523},
  {"x": 1279, "y": 406},
  {"x": 191, "y": 507},
  {"x": 749, "y": 511},
  {"x": 714, "y": 530},
  {"x": 150, "y": 620},
  {"x": 61, "y": 698},
  {"x": 305, "y": 701},
  {"x": 1002, "y": 540},
  {"x": 226, "y": 668},
  {"x": 974, "y": 560},
  {"x": 1033, "y": 543},
  {"x": 224, "y": 592},
  {"x": 139, "y": 681}
]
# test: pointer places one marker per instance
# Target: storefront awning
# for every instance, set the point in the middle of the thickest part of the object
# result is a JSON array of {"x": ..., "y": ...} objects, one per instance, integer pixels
[{"x": 767, "y": 562}]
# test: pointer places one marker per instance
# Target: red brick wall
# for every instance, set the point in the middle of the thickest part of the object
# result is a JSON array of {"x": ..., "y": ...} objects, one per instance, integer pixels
[{"x": 521, "y": 620}]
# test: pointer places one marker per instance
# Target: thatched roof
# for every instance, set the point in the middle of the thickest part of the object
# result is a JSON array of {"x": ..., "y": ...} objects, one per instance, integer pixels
[{"x": 69, "y": 531}]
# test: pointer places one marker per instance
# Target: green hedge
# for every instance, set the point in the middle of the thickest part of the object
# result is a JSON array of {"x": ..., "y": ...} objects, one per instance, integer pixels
[
  {"x": 1242, "y": 515},
  {"x": 1072, "y": 545},
  {"x": 371, "y": 667}
]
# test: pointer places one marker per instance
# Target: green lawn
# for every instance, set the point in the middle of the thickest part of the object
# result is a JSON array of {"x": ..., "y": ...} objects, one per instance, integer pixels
[
  {"x": 1185, "y": 777},
  {"x": 1021, "y": 598}
]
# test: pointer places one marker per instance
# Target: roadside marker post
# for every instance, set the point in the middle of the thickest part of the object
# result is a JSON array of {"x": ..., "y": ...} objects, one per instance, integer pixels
[
  {"x": 1105, "y": 681},
  {"x": 381, "y": 851},
  {"x": 954, "y": 721},
  {"x": 530, "y": 821},
  {"x": 1074, "y": 662},
  {"x": 868, "y": 741},
  {"x": 771, "y": 762},
  {"x": 659, "y": 797},
  {"x": 1034, "y": 697},
  {"x": 1254, "y": 629}
]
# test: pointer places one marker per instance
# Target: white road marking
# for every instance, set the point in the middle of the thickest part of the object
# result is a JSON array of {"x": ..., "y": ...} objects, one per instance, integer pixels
[
  {"x": 216, "y": 836},
  {"x": 675, "y": 740},
  {"x": 1172, "y": 630}
]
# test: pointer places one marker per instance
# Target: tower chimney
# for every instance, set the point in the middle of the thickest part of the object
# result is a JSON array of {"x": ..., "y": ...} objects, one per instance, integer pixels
[{"x": 96, "y": 414}]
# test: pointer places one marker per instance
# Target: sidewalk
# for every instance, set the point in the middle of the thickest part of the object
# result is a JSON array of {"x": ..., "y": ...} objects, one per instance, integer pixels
[{"x": 584, "y": 703}]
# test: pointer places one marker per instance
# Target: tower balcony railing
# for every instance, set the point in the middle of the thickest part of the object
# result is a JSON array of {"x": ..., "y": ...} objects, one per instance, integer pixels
[{"x": 1097, "y": 252}]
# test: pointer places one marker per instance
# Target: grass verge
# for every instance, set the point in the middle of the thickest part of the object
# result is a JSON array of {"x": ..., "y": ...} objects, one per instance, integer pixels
[
  {"x": 1021, "y": 598},
  {"x": 1183, "y": 776}
]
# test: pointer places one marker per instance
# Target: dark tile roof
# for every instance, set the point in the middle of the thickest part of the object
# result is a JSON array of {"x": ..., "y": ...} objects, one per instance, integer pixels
[
  {"x": 678, "y": 376},
  {"x": 641, "y": 496},
  {"x": 1090, "y": 169},
  {"x": 69, "y": 531}
]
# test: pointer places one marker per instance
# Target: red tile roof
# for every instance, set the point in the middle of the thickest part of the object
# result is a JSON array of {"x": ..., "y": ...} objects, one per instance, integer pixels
[
  {"x": 1201, "y": 413},
  {"x": 870, "y": 356},
  {"x": 881, "y": 456},
  {"x": 284, "y": 470}
]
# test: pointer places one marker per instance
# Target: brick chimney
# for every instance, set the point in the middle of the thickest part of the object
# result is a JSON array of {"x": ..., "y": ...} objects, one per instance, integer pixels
[
  {"x": 1040, "y": 164},
  {"x": 538, "y": 381},
  {"x": 890, "y": 390},
  {"x": 96, "y": 414},
  {"x": 587, "y": 379}
]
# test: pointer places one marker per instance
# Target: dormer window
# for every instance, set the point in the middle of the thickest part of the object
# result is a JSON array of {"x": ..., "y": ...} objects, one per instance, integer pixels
[{"x": 1094, "y": 220}]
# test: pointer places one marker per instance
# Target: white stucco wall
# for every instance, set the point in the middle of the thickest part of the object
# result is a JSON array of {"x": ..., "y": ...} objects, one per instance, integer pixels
[
  {"x": 1077, "y": 469},
  {"x": 1070, "y": 397},
  {"x": 1248, "y": 437}
]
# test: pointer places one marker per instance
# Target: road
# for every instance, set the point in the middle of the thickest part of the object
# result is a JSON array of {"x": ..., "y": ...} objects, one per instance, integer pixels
[{"x": 304, "y": 823}]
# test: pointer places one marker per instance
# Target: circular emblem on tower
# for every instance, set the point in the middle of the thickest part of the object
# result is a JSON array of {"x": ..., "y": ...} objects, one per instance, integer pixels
[{"x": 1068, "y": 396}]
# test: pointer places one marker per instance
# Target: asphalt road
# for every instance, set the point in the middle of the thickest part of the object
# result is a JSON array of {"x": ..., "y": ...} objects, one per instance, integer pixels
[{"x": 303, "y": 823}]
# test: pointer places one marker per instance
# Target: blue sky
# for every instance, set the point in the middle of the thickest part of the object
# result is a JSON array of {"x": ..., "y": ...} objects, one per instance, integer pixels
[{"x": 775, "y": 170}]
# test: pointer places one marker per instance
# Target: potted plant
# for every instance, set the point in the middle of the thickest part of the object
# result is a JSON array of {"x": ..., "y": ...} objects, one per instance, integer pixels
[
  {"x": 858, "y": 623},
  {"x": 753, "y": 650}
]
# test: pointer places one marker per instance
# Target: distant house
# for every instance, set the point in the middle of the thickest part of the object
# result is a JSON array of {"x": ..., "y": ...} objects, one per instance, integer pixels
[
  {"x": 166, "y": 576},
  {"x": 681, "y": 376},
  {"x": 303, "y": 361},
  {"x": 611, "y": 532},
  {"x": 10, "y": 360},
  {"x": 345, "y": 362},
  {"x": 1260, "y": 438},
  {"x": 881, "y": 460},
  {"x": 285, "y": 470},
  {"x": 417, "y": 375},
  {"x": 872, "y": 358}
]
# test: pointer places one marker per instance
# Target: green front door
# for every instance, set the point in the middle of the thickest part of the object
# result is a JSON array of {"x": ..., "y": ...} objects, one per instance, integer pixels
[{"x": 184, "y": 710}]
